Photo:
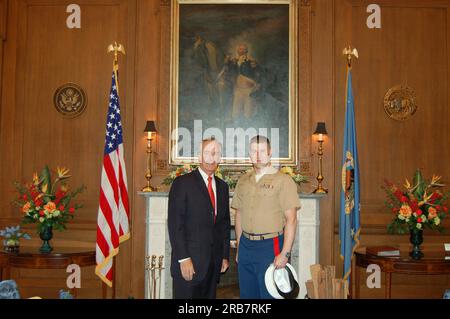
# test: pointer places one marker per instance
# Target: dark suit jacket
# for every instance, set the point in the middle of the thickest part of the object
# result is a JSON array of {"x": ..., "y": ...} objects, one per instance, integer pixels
[{"x": 191, "y": 225}]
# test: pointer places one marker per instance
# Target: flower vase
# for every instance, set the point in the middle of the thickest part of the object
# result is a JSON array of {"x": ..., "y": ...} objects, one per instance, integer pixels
[
  {"x": 416, "y": 239},
  {"x": 46, "y": 235},
  {"x": 11, "y": 246}
]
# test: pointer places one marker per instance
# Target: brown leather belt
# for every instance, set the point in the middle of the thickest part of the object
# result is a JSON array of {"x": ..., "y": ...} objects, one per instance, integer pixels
[{"x": 261, "y": 236}]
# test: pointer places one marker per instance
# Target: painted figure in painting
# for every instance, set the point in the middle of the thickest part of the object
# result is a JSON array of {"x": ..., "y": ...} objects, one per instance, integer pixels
[{"x": 245, "y": 74}]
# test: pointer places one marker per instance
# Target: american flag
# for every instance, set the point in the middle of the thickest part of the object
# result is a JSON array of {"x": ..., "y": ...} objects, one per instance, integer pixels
[{"x": 113, "y": 212}]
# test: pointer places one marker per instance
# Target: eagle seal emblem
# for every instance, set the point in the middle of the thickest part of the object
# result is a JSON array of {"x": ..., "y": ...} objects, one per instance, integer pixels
[
  {"x": 348, "y": 185},
  {"x": 70, "y": 100},
  {"x": 400, "y": 103}
]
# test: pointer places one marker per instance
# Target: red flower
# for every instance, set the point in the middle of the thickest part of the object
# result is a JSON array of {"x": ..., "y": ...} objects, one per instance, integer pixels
[
  {"x": 41, "y": 213},
  {"x": 61, "y": 207},
  {"x": 71, "y": 210},
  {"x": 419, "y": 220},
  {"x": 419, "y": 212},
  {"x": 33, "y": 192},
  {"x": 435, "y": 196},
  {"x": 59, "y": 195},
  {"x": 38, "y": 202},
  {"x": 445, "y": 209},
  {"x": 404, "y": 199},
  {"x": 414, "y": 205},
  {"x": 398, "y": 194},
  {"x": 24, "y": 197}
]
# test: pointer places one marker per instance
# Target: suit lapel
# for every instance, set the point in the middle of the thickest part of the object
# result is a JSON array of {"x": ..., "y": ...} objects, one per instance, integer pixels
[{"x": 219, "y": 195}]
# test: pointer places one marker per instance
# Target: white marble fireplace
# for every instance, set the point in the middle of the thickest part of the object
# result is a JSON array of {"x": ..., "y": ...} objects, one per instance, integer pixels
[{"x": 304, "y": 253}]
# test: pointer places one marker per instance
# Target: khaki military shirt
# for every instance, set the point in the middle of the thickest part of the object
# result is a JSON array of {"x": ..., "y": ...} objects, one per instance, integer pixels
[{"x": 262, "y": 204}]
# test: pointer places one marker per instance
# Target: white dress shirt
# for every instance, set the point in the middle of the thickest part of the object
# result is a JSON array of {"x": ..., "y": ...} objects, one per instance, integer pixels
[{"x": 213, "y": 182}]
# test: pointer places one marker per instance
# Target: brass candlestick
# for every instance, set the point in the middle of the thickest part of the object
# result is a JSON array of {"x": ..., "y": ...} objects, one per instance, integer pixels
[
  {"x": 321, "y": 131},
  {"x": 150, "y": 129}
]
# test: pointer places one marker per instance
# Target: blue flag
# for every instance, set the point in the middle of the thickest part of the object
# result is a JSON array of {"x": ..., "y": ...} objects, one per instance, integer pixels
[{"x": 349, "y": 225}]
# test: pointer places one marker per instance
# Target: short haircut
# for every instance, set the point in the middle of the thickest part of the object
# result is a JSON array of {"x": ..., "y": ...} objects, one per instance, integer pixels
[
  {"x": 208, "y": 140},
  {"x": 260, "y": 139}
]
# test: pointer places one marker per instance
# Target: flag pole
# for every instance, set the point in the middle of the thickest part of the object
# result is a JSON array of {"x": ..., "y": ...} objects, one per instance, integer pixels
[
  {"x": 114, "y": 278},
  {"x": 116, "y": 48},
  {"x": 349, "y": 53}
]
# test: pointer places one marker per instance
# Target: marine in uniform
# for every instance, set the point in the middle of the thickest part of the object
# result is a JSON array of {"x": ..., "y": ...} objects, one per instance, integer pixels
[{"x": 266, "y": 203}]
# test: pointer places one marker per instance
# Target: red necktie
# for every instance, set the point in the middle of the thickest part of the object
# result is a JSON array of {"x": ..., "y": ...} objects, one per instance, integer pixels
[{"x": 211, "y": 196}]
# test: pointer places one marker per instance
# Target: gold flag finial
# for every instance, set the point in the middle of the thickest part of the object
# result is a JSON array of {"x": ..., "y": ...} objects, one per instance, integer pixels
[
  {"x": 116, "y": 48},
  {"x": 349, "y": 52}
]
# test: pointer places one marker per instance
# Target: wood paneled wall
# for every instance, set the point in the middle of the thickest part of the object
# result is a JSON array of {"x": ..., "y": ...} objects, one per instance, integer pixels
[
  {"x": 3, "y": 15},
  {"x": 40, "y": 53},
  {"x": 411, "y": 48}
]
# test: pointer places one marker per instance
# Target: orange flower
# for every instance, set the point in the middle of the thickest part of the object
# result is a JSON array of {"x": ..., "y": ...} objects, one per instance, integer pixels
[
  {"x": 26, "y": 207},
  {"x": 405, "y": 211},
  {"x": 432, "y": 213},
  {"x": 35, "y": 179},
  {"x": 50, "y": 207},
  {"x": 62, "y": 172}
]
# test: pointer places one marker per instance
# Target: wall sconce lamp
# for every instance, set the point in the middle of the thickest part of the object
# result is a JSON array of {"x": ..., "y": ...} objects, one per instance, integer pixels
[
  {"x": 150, "y": 129},
  {"x": 321, "y": 130}
]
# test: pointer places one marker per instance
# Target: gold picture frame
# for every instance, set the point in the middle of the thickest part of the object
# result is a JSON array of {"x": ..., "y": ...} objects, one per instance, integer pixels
[{"x": 202, "y": 32}]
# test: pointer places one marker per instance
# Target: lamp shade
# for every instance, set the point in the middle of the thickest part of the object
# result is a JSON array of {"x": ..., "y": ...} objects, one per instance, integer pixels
[
  {"x": 150, "y": 127},
  {"x": 321, "y": 129}
]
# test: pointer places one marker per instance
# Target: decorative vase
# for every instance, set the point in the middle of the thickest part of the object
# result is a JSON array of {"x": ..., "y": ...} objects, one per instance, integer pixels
[
  {"x": 416, "y": 239},
  {"x": 11, "y": 246},
  {"x": 46, "y": 235}
]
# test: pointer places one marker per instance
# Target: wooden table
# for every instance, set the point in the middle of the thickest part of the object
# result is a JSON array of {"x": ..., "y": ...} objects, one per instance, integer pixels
[
  {"x": 433, "y": 263},
  {"x": 60, "y": 258}
]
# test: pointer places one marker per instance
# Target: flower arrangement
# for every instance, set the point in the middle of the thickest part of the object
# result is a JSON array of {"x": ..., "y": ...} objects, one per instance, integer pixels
[
  {"x": 12, "y": 237},
  {"x": 47, "y": 203},
  {"x": 188, "y": 168},
  {"x": 296, "y": 176},
  {"x": 178, "y": 171},
  {"x": 227, "y": 176},
  {"x": 420, "y": 205}
]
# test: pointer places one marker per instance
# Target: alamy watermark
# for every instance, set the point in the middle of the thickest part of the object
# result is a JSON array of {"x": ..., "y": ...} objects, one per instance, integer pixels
[
  {"x": 74, "y": 19},
  {"x": 374, "y": 279},
  {"x": 234, "y": 140}
]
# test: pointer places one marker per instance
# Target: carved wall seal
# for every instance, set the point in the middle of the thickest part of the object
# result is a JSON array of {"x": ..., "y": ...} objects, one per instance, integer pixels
[
  {"x": 70, "y": 100},
  {"x": 400, "y": 103}
]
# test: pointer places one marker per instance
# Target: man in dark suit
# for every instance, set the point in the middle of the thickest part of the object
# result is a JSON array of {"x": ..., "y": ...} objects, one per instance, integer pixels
[{"x": 199, "y": 227}]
